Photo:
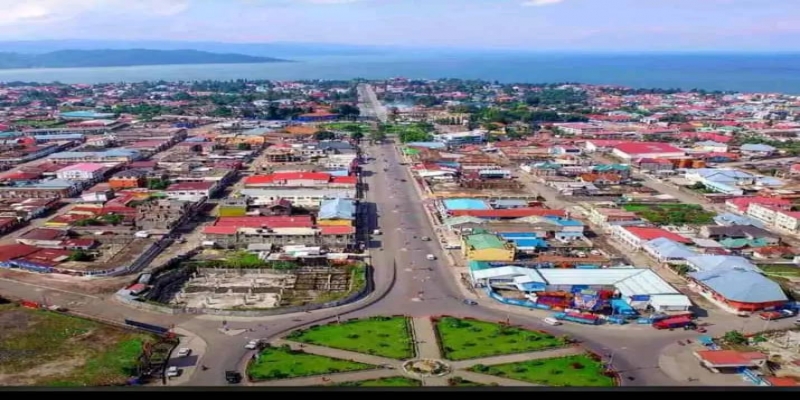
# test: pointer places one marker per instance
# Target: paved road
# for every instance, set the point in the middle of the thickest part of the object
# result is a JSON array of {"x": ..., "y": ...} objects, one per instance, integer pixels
[{"x": 369, "y": 104}]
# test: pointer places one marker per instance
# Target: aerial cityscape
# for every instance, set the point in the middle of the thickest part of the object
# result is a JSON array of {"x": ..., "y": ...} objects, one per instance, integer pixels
[{"x": 341, "y": 195}]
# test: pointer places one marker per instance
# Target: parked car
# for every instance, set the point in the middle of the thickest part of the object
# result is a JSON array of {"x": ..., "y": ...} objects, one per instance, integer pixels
[
  {"x": 251, "y": 345},
  {"x": 470, "y": 302},
  {"x": 173, "y": 372},
  {"x": 233, "y": 376},
  {"x": 430, "y": 257},
  {"x": 426, "y": 239},
  {"x": 184, "y": 352}
]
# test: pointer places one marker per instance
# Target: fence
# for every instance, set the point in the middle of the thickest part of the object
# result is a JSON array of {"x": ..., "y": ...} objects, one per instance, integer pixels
[{"x": 516, "y": 302}]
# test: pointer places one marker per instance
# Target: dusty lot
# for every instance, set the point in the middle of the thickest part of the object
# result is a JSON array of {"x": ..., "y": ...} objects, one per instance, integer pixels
[{"x": 50, "y": 349}]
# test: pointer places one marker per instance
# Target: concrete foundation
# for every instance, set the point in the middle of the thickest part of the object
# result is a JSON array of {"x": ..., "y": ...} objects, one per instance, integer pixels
[{"x": 227, "y": 289}]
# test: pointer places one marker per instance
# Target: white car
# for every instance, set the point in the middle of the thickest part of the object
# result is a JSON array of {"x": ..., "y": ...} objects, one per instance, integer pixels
[
  {"x": 251, "y": 345},
  {"x": 430, "y": 257},
  {"x": 184, "y": 352},
  {"x": 173, "y": 372}
]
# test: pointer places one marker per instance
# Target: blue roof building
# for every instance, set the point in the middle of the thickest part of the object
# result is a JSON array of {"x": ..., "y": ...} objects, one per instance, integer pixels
[
  {"x": 741, "y": 289},
  {"x": 668, "y": 251},
  {"x": 706, "y": 262},
  {"x": 757, "y": 148},
  {"x": 338, "y": 208},
  {"x": 85, "y": 115},
  {"x": 729, "y": 219}
]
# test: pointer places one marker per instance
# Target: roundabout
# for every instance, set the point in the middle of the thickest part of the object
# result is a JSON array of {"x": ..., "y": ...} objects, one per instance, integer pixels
[{"x": 424, "y": 351}]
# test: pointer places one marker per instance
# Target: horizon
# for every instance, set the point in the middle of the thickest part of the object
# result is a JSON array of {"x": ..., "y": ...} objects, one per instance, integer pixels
[{"x": 533, "y": 26}]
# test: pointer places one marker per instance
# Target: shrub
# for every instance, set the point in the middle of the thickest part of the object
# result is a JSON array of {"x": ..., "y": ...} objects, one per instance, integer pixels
[
  {"x": 480, "y": 368},
  {"x": 577, "y": 365}
]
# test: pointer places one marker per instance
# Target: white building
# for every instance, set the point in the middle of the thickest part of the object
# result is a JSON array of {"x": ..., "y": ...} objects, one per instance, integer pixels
[
  {"x": 788, "y": 220},
  {"x": 311, "y": 198},
  {"x": 763, "y": 213},
  {"x": 635, "y": 150},
  {"x": 82, "y": 172},
  {"x": 190, "y": 191}
]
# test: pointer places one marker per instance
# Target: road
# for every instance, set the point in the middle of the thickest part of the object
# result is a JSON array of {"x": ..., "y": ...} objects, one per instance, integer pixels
[{"x": 369, "y": 104}]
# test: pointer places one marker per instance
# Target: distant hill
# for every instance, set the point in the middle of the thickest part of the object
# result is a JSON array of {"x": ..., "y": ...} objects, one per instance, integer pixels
[
  {"x": 123, "y": 58},
  {"x": 269, "y": 49}
]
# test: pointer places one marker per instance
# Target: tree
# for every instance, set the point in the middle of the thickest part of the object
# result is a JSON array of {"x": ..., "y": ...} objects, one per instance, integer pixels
[
  {"x": 324, "y": 135},
  {"x": 80, "y": 256},
  {"x": 377, "y": 135},
  {"x": 734, "y": 337},
  {"x": 346, "y": 111}
]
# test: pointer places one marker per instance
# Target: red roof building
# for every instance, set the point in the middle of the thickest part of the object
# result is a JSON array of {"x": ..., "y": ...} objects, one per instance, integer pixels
[
  {"x": 635, "y": 236},
  {"x": 289, "y": 179},
  {"x": 634, "y": 150},
  {"x": 741, "y": 204},
  {"x": 728, "y": 359}
]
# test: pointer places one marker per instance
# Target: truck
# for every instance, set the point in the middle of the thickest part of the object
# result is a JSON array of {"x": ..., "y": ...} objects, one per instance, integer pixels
[
  {"x": 773, "y": 315},
  {"x": 672, "y": 323},
  {"x": 581, "y": 318}
]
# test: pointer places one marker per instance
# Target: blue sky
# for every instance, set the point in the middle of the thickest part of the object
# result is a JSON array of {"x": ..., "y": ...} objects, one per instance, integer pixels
[{"x": 543, "y": 25}]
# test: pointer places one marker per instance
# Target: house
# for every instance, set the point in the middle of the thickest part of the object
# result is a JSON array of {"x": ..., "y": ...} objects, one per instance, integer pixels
[
  {"x": 757, "y": 150},
  {"x": 461, "y": 138},
  {"x": 657, "y": 165},
  {"x": 487, "y": 247},
  {"x": 741, "y": 204},
  {"x": 337, "y": 211},
  {"x": 730, "y": 360},
  {"x": 725, "y": 181},
  {"x": 82, "y": 172},
  {"x": 306, "y": 198},
  {"x": 635, "y": 150},
  {"x": 635, "y": 236},
  {"x": 665, "y": 250},
  {"x": 132, "y": 178},
  {"x": 748, "y": 232},
  {"x": 728, "y": 219},
  {"x": 607, "y": 217},
  {"x": 711, "y": 146},
  {"x": 289, "y": 179},
  {"x": 733, "y": 283},
  {"x": 190, "y": 191},
  {"x": 234, "y": 207},
  {"x": 601, "y": 178}
]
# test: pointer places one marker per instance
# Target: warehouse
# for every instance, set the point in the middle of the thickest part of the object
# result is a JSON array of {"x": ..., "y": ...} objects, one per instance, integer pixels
[{"x": 639, "y": 288}]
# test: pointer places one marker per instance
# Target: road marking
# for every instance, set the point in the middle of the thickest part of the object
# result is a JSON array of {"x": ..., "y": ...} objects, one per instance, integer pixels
[{"x": 53, "y": 289}]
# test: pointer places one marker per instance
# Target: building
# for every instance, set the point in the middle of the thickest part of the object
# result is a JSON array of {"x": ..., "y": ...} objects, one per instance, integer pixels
[
  {"x": 607, "y": 217},
  {"x": 668, "y": 251},
  {"x": 306, "y": 198},
  {"x": 741, "y": 204},
  {"x": 191, "y": 191},
  {"x": 788, "y": 220},
  {"x": 730, "y": 360},
  {"x": 461, "y": 138},
  {"x": 108, "y": 156},
  {"x": 83, "y": 172},
  {"x": 487, "y": 247},
  {"x": 757, "y": 150},
  {"x": 635, "y": 150},
  {"x": 635, "y": 236},
  {"x": 164, "y": 214},
  {"x": 289, "y": 179},
  {"x": 232, "y": 207},
  {"x": 128, "y": 179},
  {"x": 337, "y": 212},
  {"x": 734, "y": 283}
]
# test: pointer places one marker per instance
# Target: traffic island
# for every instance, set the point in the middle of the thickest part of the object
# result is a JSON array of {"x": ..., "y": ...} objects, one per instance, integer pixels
[
  {"x": 581, "y": 370},
  {"x": 426, "y": 368}
]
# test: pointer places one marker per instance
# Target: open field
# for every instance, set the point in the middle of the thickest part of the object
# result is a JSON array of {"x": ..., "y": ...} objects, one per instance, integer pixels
[
  {"x": 284, "y": 363},
  {"x": 395, "y": 381},
  {"x": 672, "y": 214},
  {"x": 380, "y": 336},
  {"x": 467, "y": 339},
  {"x": 579, "y": 370},
  {"x": 45, "y": 348}
]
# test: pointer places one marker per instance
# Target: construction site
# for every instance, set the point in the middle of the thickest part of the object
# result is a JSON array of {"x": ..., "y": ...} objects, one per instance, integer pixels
[{"x": 193, "y": 287}]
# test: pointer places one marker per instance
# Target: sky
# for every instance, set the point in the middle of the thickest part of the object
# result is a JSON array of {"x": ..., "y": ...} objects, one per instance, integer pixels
[{"x": 532, "y": 25}]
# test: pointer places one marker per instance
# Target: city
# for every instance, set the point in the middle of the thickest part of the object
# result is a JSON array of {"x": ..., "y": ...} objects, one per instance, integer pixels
[{"x": 397, "y": 233}]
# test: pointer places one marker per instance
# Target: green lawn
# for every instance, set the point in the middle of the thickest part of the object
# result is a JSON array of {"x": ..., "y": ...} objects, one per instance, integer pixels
[
  {"x": 381, "y": 336},
  {"x": 672, "y": 213},
  {"x": 467, "y": 339},
  {"x": 578, "y": 370},
  {"x": 64, "y": 350},
  {"x": 395, "y": 381},
  {"x": 784, "y": 270},
  {"x": 283, "y": 363}
]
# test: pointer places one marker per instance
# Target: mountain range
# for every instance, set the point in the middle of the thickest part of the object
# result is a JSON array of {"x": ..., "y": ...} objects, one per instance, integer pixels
[
  {"x": 272, "y": 49},
  {"x": 122, "y": 58}
]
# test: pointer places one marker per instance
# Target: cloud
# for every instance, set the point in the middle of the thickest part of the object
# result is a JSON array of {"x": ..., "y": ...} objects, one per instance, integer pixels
[
  {"x": 540, "y": 3},
  {"x": 47, "y": 11}
]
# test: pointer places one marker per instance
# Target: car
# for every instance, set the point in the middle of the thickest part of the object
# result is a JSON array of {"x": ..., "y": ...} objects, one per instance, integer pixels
[
  {"x": 251, "y": 345},
  {"x": 425, "y": 239},
  {"x": 402, "y": 180},
  {"x": 173, "y": 372},
  {"x": 470, "y": 302},
  {"x": 430, "y": 257},
  {"x": 184, "y": 352},
  {"x": 233, "y": 376}
]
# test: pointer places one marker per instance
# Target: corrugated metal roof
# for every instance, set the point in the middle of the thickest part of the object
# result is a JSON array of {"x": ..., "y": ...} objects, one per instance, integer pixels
[{"x": 338, "y": 208}]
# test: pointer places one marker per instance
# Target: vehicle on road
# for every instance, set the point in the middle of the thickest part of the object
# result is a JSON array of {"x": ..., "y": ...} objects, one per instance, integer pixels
[
  {"x": 184, "y": 352},
  {"x": 551, "y": 321},
  {"x": 376, "y": 232},
  {"x": 672, "y": 323},
  {"x": 774, "y": 315},
  {"x": 173, "y": 372},
  {"x": 402, "y": 180},
  {"x": 470, "y": 302},
  {"x": 233, "y": 376},
  {"x": 251, "y": 345},
  {"x": 425, "y": 239},
  {"x": 430, "y": 257}
]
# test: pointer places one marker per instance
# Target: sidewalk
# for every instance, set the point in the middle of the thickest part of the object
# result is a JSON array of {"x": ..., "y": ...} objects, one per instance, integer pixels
[
  {"x": 188, "y": 364},
  {"x": 519, "y": 357},
  {"x": 425, "y": 338},
  {"x": 490, "y": 380},
  {"x": 319, "y": 380}
]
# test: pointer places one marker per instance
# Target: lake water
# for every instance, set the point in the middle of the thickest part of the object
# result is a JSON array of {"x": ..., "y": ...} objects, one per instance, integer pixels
[{"x": 746, "y": 73}]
